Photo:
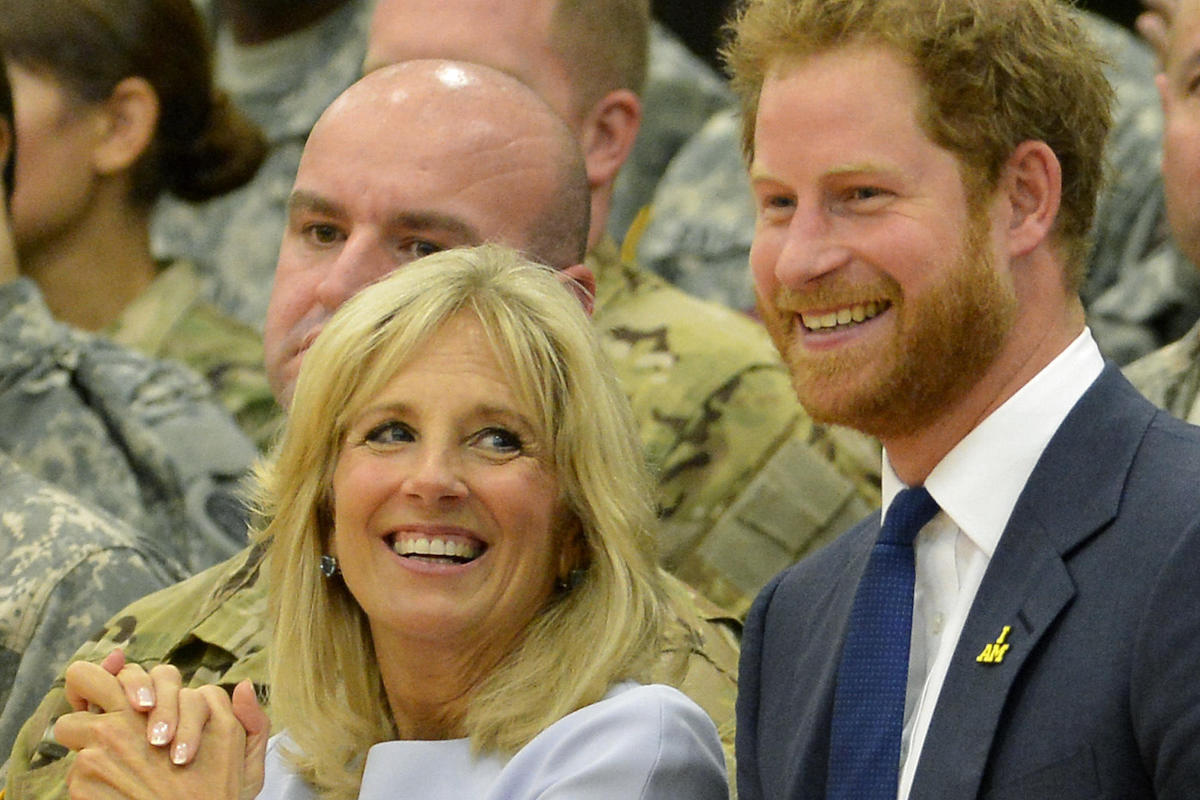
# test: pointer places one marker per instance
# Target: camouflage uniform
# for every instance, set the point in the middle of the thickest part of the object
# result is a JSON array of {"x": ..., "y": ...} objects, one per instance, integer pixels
[
  {"x": 171, "y": 319},
  {"x": 1170, "y": 377},
  {"x": 746, "y": 482},
  {"x": 142, "y": 439},
  {"x": 282, "y": 85},
  {"x": 212, "y": 628},
  {"x": 66, "y": 570},
  {"x": 1140, "y": 292},
  {"x": 701, "y": 220},
  {"x": 681, "y": 92}
]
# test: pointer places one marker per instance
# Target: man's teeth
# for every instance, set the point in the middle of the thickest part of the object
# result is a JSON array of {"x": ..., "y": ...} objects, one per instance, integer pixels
[
  {"x": 843, "y": 316},
  {"x": 423, "y": 546}
]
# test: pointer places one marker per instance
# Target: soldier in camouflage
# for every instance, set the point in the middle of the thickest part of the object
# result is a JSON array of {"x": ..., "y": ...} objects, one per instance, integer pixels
[
  {"x": 1140, "y": 291},
  {"x": 1170, "y": 377},
  {"x": 66, "y": 570},
  {"x": 142, "y": 439}
]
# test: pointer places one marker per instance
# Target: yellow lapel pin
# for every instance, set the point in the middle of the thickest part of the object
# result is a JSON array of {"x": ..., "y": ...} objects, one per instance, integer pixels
[{"x": 994, "y": 652}]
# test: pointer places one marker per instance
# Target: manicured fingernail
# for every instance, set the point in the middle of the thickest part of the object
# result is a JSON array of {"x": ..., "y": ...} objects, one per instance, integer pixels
[
  {"x": 158, "y": 734},
  {"x": 179, "y": 753},
  {"x": 145, "y": 698}
]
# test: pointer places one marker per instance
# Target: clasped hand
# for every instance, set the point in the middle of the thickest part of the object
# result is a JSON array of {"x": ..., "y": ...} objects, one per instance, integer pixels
[{"x": 143, "y": 736}]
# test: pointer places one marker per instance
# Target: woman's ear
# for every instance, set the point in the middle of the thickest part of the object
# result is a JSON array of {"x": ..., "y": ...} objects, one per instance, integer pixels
[
  {"x": 128, "y": 120},
  {"x": 573, "y": 554}
]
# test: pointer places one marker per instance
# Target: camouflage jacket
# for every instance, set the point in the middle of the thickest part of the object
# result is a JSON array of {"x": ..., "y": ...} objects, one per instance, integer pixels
[
  {"x": 746, "y": 482},
  {"x": 66, "y": 570},
  {"x": 171, "y": 319},
  {"x": 1170, "y": 377},
  {"x": 1140, "y": 292},
  {"x": 142, "y": 439},
  {"x": 283, "y": 85},
  {"x": 212, "y": 628}
]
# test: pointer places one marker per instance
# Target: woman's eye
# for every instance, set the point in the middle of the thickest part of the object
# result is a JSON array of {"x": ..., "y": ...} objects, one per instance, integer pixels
[
  {"x": 500, "y": 440},
  {"x": 390, "y": 432}
]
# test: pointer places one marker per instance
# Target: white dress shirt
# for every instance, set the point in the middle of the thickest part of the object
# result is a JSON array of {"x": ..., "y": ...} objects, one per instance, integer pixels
[{"x": 976, "y": 487}]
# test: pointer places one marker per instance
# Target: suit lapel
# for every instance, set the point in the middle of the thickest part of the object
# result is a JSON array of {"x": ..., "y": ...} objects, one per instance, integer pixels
[{"x": 1073, "y": 493}]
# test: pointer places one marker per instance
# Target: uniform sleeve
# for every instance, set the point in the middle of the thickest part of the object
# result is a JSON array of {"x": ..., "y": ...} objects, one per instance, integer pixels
[{"x": 74, "y": 609}]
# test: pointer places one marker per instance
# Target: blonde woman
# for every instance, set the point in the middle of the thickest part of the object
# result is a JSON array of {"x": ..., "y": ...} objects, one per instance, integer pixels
[{"x": 461, "y": 563}]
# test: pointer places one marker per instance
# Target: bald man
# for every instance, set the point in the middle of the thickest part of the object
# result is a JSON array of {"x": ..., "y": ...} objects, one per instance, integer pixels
[{"x": 395, "y": 168}]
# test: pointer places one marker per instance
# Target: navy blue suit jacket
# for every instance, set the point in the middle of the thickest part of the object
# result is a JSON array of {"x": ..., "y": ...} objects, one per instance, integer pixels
[{"x": 1098, "y": 575}]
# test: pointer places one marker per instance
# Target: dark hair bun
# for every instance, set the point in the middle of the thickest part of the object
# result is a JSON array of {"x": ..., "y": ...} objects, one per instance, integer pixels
[{"x": 225, "y": 154}]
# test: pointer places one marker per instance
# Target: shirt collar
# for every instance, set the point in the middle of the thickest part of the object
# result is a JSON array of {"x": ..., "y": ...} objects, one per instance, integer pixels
[{"x": 978, "y": 482}]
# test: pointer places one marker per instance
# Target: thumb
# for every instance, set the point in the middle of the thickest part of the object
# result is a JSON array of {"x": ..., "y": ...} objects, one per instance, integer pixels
[{"x": 250, "y": 714}]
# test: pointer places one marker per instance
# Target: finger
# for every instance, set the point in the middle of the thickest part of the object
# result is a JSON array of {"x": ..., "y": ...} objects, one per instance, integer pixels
[
  {"x": 139, "y": 690},
  {"x": 90, "y": 684},
  {"x": 225, "y": 738},
  {"x": 258, "y": 730},
  {"x": 165, "y": 716},
  {"x": 113, "y": 662},
  {"x": 73, "y": 730},
  {"x": 194, "y": 713},
  {"x": 117, "y": 762}
]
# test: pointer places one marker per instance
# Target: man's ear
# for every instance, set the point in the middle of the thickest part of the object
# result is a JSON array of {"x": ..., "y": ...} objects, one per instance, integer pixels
[
  {"x": 582, "y": 283},
  {"x": 607, "y": 134},
  {"x": 1031, "y": 183},
  {"x": 128, "y": 119}
]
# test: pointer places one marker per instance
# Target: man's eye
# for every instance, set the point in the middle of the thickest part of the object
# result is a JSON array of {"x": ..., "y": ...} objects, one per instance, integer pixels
[
  {"x": 390, "y": 432},
  {"x": 322, "y": 233},
  {"x": 499, "y": 440},
  {"x": 861, "y": 193},
  {"x": 413, "y": 249}
]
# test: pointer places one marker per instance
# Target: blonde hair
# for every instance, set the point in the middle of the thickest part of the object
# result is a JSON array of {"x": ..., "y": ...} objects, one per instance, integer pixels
[
  {"x": 326, "y": 687},
  {"x": 995, "y": 73}
]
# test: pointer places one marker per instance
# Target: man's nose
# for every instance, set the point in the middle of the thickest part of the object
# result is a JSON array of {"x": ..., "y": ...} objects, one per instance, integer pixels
[
  {"x": 361, "y": 261},
  {"x": 809, "y": 249}
]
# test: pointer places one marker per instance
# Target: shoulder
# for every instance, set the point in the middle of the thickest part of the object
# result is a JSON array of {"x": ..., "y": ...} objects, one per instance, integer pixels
[
  {"x": 228, "y": 599},
  {"x": 1168, "y": 377},
  {"x": 51, "y": 544},
  {"x": 644, "y": 741}
]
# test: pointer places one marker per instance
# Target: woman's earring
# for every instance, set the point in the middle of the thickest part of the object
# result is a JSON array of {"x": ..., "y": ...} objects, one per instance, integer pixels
[
  {"x": 573, "y": 579},
  {"x": 329, "y": 566}
]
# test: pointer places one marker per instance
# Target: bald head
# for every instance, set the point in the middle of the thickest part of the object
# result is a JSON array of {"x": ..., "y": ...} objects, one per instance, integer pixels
[{"x": 414, "y": 158}]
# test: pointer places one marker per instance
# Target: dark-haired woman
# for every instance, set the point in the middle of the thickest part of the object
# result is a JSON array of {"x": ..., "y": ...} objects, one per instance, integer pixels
[{"x": 115, "y": 105}]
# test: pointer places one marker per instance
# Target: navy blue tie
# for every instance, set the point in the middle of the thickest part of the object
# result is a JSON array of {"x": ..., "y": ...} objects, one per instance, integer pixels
[{"x": 868, "y": 703}]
